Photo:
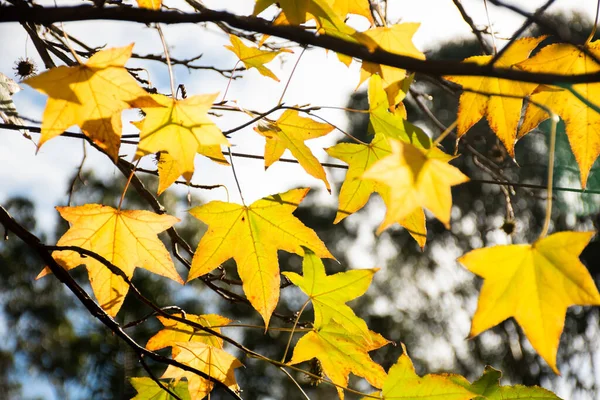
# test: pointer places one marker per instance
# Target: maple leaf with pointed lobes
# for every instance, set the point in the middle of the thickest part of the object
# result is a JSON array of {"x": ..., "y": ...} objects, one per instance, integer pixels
[
  {"x": 330, "y": 293},
  {"x": 127, "y": 239},
  {"x": 355, "y": 192},
  {"x": 251, "y": 235},
  {"x": 582, "y": 123},
  {"x": 535, "y": 284},
  {"x": 90, "y": 96},
  {"x": 147, "y": 389},
  {"x": 415, "y": 178},
  {"x": 487, "y": 387},
  {"x": 169, "y": 169},
  {"x": 213, "y": 361},
  {"x": 502, "y": 113},
  {"x": 289, "y": 132},
  {"x": 403, "y": 383},
  {"x": 253, "y": 57},
  {"x": 181, "y": 128},
  {"x": 341, "y": 353},
  {"x": 395, "y": 39},
  {"x": 175, "y": 331}
]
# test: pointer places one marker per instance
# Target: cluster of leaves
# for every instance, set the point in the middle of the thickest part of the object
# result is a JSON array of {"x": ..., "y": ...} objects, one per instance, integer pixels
[{"x": 534, "y": 283}]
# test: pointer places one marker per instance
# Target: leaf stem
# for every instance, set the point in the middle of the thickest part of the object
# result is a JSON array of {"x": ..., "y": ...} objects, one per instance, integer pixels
[
  {"x": 291, "y": 75},
  {"x": 287, "y": 347},
  {"x": 554, "y": 120},
  {"x": 487, "y": 13},
  {"x": 127, "y": 184},
  {"x": 443, "y": 135},
  {"x": 229, "y": 82},
  {"x": 295, "y": 382},
  {"x": 168, "y": 58},
  {"x": 595, "y": 27},
  {"x": 235, "y": 177}
]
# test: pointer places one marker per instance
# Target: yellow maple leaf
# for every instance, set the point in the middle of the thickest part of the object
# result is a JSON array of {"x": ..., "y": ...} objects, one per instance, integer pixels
[
  {"x": 150, "y": 4},
  {"x": 535, "y": 284},
  {"x": 90, "y": 96},
  {"x": 213, "y": 361},
  {"x": 403, "y": 383},
  {"x": 502, "y": 113},
  {"x": 251, "y": 235},
  {"x": 181, "y": 128},
  {"x": 299, "y": 11},
  {"x": 127, "y": 239},
  {"x": 253, "y": 57},
  {"x": 341, "y": 353},
  {"x": 344, "y": 7},
  {"x": 395, "y": 39},
  {"x": 416, "y": 178},
  {"x": 355, "y": 191},
  {"x": 582, "y": 123},
  {"x": 175, "y": 331},
  {"x": 148, "y": 389},
  {"x": 289, "y": 132},
  {"x": 330, "y": 293}
]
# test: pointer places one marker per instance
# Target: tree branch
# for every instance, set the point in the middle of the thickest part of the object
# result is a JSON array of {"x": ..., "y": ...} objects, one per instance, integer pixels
[{"x": 49, "y": 15}]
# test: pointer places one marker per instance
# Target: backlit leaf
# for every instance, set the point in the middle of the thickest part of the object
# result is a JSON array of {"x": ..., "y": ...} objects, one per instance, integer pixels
[
  {"x": 582, "y": 123},
  {"x": 415, "y": 178},
  {"x": 488, "y": 388},
  {"x": 502, "y": 113},
  {"x": 341, "y": 353},
  {"x": 90, "y": 96},
  {"x": 253, "y": 57},
  {"x": 147, "y": 389},
  {"x": 252, "y": 235},
  {"x": 212, "y": 361},
  {"x": 181, "y": 128},
  {"x": 175, "y": 331},
  {"x": 330, "y": 293},
  {"x": 403, "y": 383},
  {"x": 290, "y": 131},
  {"x": 535, "y": 284},
  {"x": 127, "y": 239}
]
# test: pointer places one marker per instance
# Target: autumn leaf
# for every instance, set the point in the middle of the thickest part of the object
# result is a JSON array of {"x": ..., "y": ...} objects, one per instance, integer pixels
[
  {"x": 329, "y": 294},
  {"x": 175, "y": 331},
  {"x": 147, "y": 389},
  {"x": 344, "y": 7},
  {"x": 150, "y": 4},
  {"x": 535, "y": 284},
  {"x": 502, "y": 113},
  {"x": 415, "y": 178},
  {"x": 181, "y": 128},
  {"x": 392, "y": 124},
  {"x": 253, "y": 57},
  {"x": 251, "y": 235},
  {"x": 299, "y": 11},
  {"x": 127, "y": 239},
  {"x": 290, "y": 131},
  {"x": 212, "y": 361},
  {"x": 487, "y": 387},
  {"x": 395, "y": 39},
  {"x": 90, "y": 96},
  {"x": 403, "y": 383},
  {"x": 582, "y": 123},
  {"x": 341, "y": 353},
  {"x": 355, "y": 191}
]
